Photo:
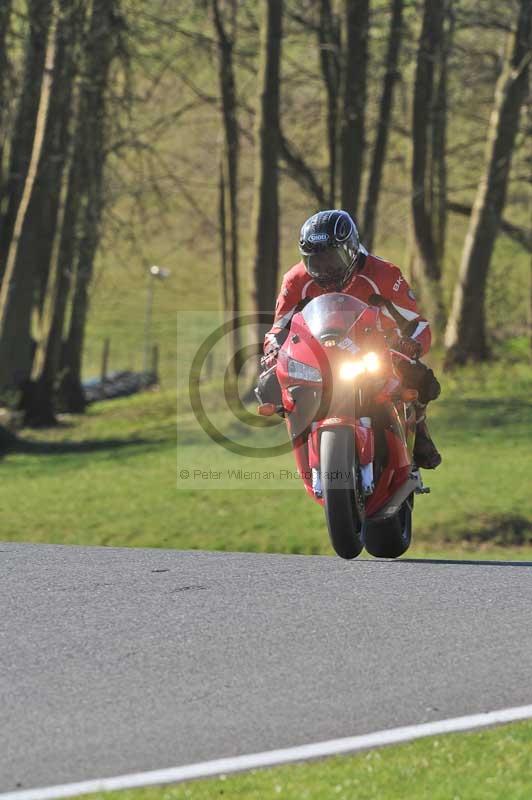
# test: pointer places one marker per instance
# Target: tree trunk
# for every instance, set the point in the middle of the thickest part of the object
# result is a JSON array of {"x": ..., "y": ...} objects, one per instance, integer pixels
[
  {"x": 354, "y": 86},
  {"x": 383, "y": 124},
  {"x": 231, "y": 159},
  {"x": 38, "y": 399},
  {"x": 100, "y": 48},
  {"x": 36, "y": 246},
  {"x": 23, "y": 136},
  {"x": 46, "y": 199},
  {"x": 266, "y": 202},
  {"x": 465, "y": 337},
  {"x": 427, "y": 229},
  {"x": 71, "y": 388},
  {"x": 222, "y": 225},
  {"x": 5, "y": 15},
  {"x": 329, "y": 44},
  {"x": 15, "y": 338},
  {"x": 438, "y": 178}
]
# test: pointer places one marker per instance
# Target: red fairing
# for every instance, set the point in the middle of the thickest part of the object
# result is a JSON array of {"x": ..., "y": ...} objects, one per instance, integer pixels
[
  {"x": 396, "y": 472},
  {"x": 337, "y": 373},
  {"x": 364, "y": 439},
  {"x": 301, "y": 454},
  {"x": 376, "y": 277}
]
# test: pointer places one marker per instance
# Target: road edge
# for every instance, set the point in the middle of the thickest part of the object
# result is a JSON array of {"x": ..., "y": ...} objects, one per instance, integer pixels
[{"x": 271, "y": 758}]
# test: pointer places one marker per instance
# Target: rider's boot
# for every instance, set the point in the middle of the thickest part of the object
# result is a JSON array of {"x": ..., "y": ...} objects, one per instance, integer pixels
[{"x": 426, "y": 455}]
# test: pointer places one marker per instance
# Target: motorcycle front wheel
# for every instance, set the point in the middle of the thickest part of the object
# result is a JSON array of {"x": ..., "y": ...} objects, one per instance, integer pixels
[
  {"x": 343, "y": 502},
  {"x": 390, "y": 538}
]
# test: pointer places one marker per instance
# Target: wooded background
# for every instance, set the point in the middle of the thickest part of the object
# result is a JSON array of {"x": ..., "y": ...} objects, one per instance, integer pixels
[{"x": 207, "y": 131}]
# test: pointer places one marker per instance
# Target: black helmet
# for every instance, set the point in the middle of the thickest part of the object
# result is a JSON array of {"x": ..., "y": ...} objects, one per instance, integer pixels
[{"x": 329, "y": 243}]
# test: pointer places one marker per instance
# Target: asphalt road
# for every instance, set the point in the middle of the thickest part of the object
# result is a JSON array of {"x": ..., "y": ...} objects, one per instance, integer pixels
[{"x": 119, "y": 660}]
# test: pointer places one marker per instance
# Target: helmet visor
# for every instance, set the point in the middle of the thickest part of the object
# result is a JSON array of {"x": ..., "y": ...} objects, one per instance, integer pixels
[{"x": 327, "y": 267}]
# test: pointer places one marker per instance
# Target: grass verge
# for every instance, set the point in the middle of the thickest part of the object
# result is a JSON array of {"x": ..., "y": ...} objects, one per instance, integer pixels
[
  {"x": 111, "y": 478},
  {"x": 494, "y": 764}
]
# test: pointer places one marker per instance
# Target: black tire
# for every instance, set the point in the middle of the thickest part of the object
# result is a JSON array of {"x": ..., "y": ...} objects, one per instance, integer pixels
[
  {"x": 343, "y": 509},
  {"x": 390, "y": 538}
]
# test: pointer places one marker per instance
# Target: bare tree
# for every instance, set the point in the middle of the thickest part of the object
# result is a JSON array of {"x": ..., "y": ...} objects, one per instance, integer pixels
[
  {"x": 266, "y": 202},
  {"x": 439, "y": 122},
  {"x": 465, "y": 337},
  {"x": 39, "y": 232},
  {"x": 352, "y": 137},
  {"x": 383, "y": 123},
  {"x": 222, "y": 226},
  {"x": 15, "y": 342},
  {"x": 39, "y": 397},
  {"x": 45, "y": 201},
  {"x": 328, "y": 31},
  {"x": 101, "y": 47},
  {"x": 5, "y": 14},
  {"x": 23, "y": 135},
  {"x": 522, "y": 236},
  {"x": 225, "y": 41},
  {"x": 58, "y": 238},
  {"x": 427, "y": 164},
  {"x": 298, "y": 169}
]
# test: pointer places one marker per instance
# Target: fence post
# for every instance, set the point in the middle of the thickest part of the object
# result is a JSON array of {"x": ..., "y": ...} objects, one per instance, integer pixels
[
  {"x": 105, "y": 359},
  {"x": 209, "y": 365},
  {"x": 155, "y": 362}
]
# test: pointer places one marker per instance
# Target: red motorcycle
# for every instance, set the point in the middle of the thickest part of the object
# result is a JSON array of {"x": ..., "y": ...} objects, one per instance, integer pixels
[{"x": 351, "y": 423}]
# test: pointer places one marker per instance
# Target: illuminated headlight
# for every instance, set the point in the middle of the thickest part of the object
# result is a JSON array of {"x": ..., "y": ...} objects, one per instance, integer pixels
[
  {"x": 350, "y": 370},
  {"x": 297, "y": 369},
  {"x": 370, "y": 362}
]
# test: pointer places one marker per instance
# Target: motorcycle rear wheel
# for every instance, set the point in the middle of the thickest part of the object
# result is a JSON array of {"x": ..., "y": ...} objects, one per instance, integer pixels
[
  {"x": 390, "y": 538},
  {"x": 343, "y": 510}
]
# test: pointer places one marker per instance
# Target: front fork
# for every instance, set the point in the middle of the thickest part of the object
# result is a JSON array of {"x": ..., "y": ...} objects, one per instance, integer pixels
[
  {"x": 307, "y": 447},
  {"x": 364, "y": 445}
]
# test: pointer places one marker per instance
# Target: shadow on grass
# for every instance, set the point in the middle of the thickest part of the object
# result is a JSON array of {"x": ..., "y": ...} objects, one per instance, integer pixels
[
  {"x": 469, "y": 414},
  {"x": 30, "y": 447},
  {"x": 236, "y": 430},
  {"x": 504, "y": 529},
  {"x": 454, "y": 416}
]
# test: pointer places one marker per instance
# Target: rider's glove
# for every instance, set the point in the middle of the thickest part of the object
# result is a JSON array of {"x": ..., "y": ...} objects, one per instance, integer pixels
[
  {"x": 273, "y": 341},
  {"x": 269, "y": 360},
  {"x": 272, "y": 345},
  {"x": 410, "y": 347},
  {"x": 271, "y": 351}
]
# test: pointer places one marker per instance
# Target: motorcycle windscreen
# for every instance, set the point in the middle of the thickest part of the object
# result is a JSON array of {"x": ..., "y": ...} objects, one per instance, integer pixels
[{"x": 332, "y": 314}]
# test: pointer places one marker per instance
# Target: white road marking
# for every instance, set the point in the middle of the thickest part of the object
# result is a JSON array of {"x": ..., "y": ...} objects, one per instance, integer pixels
[{"x": 270, "y": 758}]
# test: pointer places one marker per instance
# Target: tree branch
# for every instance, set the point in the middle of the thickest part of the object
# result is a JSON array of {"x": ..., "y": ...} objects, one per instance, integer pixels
[
  {"x": 522, "y": 236},
  {"x": 300, "y": 171}
]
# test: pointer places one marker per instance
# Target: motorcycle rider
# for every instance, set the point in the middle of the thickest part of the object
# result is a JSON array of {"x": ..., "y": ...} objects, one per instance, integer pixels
[{"x": 335, "y": 260}]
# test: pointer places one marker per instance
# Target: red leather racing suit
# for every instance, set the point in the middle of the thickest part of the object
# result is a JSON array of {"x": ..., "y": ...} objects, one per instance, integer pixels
[{"x": 375, "y": 277}]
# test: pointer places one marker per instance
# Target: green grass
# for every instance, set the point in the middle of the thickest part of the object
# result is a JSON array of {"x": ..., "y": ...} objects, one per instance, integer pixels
[
  {"x": 492, "y": 764},
  {"x": 106, "y": 478},
  {"x": 110, "y": 478}
]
